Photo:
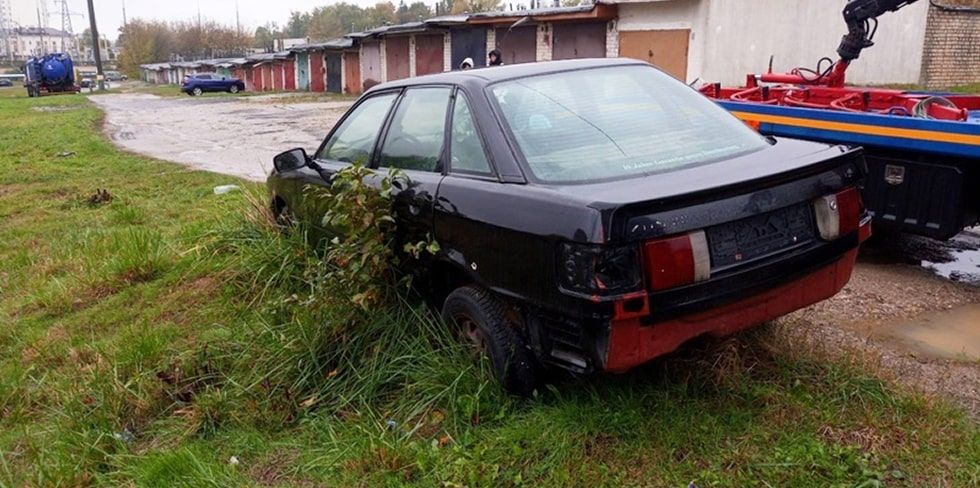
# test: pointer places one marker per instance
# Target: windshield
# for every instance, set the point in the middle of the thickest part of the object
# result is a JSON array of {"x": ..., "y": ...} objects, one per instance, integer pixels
[{"x": 614, "y": 122}]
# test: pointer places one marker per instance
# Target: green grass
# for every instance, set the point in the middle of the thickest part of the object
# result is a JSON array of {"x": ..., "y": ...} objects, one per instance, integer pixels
[
  {"x": 149, "y": 339},
  {"x": 174, "y": 91}
]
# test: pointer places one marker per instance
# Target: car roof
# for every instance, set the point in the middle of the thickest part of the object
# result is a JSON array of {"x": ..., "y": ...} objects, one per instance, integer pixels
[{"x": 492, "y": 74}]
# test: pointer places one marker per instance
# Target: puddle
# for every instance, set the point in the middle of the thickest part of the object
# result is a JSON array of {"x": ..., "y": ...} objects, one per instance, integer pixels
[
  {"x": 964, "y": 260},
  {"x": 957, "y": 259},
  {"x": 951, "y": 334}
]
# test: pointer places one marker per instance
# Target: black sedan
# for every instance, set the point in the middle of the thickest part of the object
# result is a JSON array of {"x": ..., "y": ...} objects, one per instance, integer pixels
[{"x": 595, "y": 214}]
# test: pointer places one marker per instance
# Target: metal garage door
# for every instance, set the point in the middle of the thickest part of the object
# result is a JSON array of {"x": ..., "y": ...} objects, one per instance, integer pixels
[
  {"x": 518, "y": 45},
  {"x": 396, "y": 58},
  {"x": 573, "y": 41},
  {"x": 469, "y": 43},
  {"x": 333, "y": 72},
  {"x": 666, "y": 49},
  {"x": 428, "y": 54},
  {"x": 352, "y": 72},
  {"x": 316, "y": 71},
  {"x": 371, "y": 63},
  {"x": 303, "y": 65}
]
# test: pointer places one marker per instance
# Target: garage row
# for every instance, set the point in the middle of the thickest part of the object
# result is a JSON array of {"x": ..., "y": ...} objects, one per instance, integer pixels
[{"x": 361, "y": 60}]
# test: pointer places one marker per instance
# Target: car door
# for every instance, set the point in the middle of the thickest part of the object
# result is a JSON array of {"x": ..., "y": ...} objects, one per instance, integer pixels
[
  {"x": 468, "y": 197},
  {"x": 414, "y": 143},
  {"x": 353, "y": 140}
]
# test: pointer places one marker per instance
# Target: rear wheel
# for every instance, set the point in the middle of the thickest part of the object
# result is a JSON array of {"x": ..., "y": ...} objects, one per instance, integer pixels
[
  {"x": 197, "y": 91},
  {"x": 233, "y": 89},
  {"x": 481, "y": 319}
]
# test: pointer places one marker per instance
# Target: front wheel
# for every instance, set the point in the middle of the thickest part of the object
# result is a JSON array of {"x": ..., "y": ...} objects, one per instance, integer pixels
[
  {"x": 482, "y": 320},
  {"x": 233, "y": 89},
  {"x": 197, "y": 91}
]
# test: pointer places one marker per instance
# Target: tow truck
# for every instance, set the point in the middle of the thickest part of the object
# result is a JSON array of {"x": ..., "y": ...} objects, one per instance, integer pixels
[{"x": 922, "y": 148}]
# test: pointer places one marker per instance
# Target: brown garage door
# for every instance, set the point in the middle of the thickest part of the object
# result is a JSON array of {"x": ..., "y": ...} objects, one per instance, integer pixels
[
  {"x": 428, "y": 54},
  {"x": 666, "y": 49},
  {"x": 573, "y": 41},
  {"x": 396, "y": 58},
  {"x": 516, "y": 46}
]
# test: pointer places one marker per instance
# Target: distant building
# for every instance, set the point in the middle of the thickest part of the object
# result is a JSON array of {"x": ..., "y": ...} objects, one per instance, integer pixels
[{"x": 21, "y": 43}]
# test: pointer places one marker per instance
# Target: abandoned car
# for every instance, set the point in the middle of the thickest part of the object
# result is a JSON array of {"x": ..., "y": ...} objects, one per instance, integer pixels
[{"x": 595, "y": 214}]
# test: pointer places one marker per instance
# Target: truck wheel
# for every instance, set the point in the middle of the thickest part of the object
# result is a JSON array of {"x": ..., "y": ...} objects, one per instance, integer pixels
[
  {"x": 481, "y": 319},
  {"x": 197, "y": 91},
  {"x": 233, "y": 89}
]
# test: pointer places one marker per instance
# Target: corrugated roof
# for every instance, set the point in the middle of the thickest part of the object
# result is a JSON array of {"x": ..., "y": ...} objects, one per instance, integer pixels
[
  {"x": 531, "y": 12},
  {"x": 339, "y": 43}
]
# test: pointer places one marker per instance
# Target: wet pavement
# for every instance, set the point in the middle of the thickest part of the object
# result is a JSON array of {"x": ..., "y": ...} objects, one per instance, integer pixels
[{"x": 235, "y": 136}]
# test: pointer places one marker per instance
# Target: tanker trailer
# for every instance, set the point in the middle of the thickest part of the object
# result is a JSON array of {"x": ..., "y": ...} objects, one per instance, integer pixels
[{"x": 50, "y": 74}]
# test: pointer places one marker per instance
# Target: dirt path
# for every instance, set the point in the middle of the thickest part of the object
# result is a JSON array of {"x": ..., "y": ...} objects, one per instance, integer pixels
[{"x": 235, "y": 136}]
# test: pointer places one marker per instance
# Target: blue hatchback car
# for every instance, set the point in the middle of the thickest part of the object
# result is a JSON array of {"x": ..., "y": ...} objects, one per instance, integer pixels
[{"x": 197, "y": 84}]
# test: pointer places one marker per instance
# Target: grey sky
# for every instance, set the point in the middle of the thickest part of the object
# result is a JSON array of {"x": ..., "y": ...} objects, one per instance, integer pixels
[{"x": 109, "y": 12}]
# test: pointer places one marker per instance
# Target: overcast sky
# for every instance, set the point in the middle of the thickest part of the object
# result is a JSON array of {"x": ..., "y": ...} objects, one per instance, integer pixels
[{"x": 108, "y": 13}]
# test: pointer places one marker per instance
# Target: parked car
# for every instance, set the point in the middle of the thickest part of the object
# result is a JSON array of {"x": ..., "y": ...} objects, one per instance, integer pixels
[
  {"x": 86, "y": 82},
  {"x": 196, "y": 85},
  {"x": 5, "y": 82},
  {"x": 594, "y": 214},
  {"x": 115, "y": 76}
]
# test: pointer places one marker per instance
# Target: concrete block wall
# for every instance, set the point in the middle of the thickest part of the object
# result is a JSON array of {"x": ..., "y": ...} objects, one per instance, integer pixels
[
  {"x": 447, "y": 51},
  {"x": 951, "y": 52},
  {"x": 543, "y": 47},
  {"x": 612, "y": 39},
  {"x": 491, "y": 39},
  {"x": 411, "y": 56}
]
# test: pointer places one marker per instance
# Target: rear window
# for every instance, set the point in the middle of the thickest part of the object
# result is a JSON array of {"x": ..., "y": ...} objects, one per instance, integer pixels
[{"x": 616, "y": 122}]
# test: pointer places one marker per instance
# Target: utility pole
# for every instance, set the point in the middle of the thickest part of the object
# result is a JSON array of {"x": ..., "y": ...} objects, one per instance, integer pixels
[
  {"x": 124, "y": 12},
  {"x": 238, "y": 20},
  {"x": 95, "y": 45}
]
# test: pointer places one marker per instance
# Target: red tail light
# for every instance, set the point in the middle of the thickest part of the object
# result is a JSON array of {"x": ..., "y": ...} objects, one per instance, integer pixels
[
  {"x": 677, "y": 261},
  {"x": 838, "y": 214}
]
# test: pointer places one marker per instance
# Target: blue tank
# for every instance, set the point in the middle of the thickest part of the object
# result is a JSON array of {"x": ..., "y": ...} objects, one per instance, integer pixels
[{"x": 51, "y": 73}]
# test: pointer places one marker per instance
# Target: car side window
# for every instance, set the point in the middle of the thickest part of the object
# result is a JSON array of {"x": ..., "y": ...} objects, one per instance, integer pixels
[
  {"x": 353, "y": 141},
  {"x": 417, "y": 131},
  {"x": 466, "y": 150},
  {"x": 204, "y": 77}
]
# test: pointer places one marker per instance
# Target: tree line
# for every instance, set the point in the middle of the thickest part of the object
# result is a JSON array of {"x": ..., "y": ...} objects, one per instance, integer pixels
[{"x": 148, "y": 41}]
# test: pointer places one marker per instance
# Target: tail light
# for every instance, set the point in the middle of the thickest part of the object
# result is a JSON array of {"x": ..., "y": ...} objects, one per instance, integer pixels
[
  {"x": 599, "y": 271},
  {"x": 838, "y": 214},
  {"x": 677, "y": 261}
]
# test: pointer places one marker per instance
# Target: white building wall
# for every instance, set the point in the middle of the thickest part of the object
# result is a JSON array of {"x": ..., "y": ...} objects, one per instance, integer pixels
[{"x": 731, "y": 38}]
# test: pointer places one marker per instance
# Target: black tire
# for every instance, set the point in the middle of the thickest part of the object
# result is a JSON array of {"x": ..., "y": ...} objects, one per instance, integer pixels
[
  {"x": 233, "y": 89},
  {"x": 197, "y": 91},
  {"x": 474, "y": 308}
]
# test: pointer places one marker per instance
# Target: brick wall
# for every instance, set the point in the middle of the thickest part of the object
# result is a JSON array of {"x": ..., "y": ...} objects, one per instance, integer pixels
[{"x": 951, "y": 53}]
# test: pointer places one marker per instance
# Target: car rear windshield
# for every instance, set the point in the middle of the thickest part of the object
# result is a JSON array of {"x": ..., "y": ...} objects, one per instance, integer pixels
[{"x": 615, "y": 122}]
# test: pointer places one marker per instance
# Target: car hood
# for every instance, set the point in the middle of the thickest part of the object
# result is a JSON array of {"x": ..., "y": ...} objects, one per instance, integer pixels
[{"x": 786, "y": 156}]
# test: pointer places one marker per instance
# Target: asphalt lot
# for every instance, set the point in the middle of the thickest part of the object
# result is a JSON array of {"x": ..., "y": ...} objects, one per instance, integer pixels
[
  {"x": 910, "y": 308},
  {"x": 231, "y": 135}
]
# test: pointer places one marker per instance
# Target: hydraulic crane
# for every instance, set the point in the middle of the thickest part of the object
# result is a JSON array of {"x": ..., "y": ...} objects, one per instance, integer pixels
[{"x": 922, "y": 148}]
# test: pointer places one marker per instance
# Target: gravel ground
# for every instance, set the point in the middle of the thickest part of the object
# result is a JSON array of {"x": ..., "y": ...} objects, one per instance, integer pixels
[
  {"x": 235, "y": 136},
  {"x": 879, "y": 319}
]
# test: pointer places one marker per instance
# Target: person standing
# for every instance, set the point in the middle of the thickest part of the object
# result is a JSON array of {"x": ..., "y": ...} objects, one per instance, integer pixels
[{"x": 495, "y": 58}]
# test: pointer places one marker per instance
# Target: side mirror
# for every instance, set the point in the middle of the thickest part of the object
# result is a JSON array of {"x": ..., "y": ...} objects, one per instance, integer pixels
[{"x": 290, "y": 160}]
